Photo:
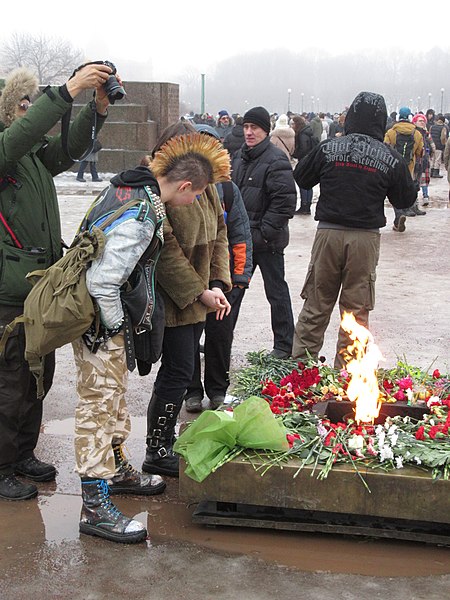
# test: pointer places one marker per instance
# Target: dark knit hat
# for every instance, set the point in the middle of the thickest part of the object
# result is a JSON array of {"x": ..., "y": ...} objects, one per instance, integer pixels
[
  {"x": 258, "y": 116},
  {"x": 223, "y": 113}
]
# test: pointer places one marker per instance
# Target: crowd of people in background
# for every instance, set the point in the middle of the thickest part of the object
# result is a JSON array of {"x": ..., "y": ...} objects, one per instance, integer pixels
[{"x": 297, "y": 134}]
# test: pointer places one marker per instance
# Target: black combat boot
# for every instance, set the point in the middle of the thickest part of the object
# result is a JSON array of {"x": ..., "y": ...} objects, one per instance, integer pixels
[
  {"x": 100, "y": 517},
  {"x": 161, "y": 421},
  {"x": 129, "y": 481}
]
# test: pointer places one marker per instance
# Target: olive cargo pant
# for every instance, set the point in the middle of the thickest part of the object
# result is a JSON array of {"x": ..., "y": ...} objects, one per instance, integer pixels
[{"x": 345, "y": 261}]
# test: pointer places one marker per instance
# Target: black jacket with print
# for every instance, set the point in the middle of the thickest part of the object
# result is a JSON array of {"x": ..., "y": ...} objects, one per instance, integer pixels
[{"x": 358, "y": 171}]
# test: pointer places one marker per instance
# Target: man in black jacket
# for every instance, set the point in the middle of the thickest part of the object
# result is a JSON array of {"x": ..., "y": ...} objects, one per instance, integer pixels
[
  {"x": 356, "y": 173},
  {"x": 264, "y": 176}
]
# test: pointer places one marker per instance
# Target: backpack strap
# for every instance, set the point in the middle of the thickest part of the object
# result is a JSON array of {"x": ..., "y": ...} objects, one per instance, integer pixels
[{"x": 9, "y": 329}]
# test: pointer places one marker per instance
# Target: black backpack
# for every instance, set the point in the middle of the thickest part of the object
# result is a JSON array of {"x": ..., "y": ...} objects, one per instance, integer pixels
[{"x": 404, "y": 144}]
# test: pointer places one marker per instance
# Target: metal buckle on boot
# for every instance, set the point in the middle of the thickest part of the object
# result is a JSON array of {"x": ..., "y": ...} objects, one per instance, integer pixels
[
  {"x": 154, "y": 443},
  {"x": 170, "y": 408},
  {"x": 162, "y": 453},
  {"x": 162, "y": 421},
  {"x": 157, "y": 433}
]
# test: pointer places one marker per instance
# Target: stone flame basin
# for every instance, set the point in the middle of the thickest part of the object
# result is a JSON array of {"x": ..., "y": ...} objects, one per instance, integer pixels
[{"x": 403, "y": 504}]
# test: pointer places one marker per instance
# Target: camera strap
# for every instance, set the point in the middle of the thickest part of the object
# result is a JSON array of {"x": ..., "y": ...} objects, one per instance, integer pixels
[{"x": 65, "y": 124}]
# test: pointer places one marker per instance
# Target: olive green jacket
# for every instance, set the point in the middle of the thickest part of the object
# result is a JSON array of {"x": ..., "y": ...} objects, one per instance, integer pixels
[{"x": 30, "y": 207}]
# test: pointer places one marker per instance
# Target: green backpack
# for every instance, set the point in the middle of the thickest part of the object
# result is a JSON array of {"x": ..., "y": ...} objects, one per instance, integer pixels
[{"x": 59, "y": 308}]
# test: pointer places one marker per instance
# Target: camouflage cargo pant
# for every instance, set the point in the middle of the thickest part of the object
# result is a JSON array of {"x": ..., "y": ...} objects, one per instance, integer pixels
[{"x": 101, "y": 417}]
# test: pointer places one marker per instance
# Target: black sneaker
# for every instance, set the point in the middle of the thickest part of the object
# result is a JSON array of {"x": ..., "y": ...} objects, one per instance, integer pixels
[
  {"x": 13, "y": 489},
  {"x": 81, "y": 179},
  {"x": 34, "y": 469}
]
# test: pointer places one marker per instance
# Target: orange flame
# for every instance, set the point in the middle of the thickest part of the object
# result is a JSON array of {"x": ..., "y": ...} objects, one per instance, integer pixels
[{"x": 363, "y": 386}]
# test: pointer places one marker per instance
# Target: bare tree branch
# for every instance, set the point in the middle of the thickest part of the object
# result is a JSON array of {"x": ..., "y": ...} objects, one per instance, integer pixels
[{"x": 52, "y": 59}]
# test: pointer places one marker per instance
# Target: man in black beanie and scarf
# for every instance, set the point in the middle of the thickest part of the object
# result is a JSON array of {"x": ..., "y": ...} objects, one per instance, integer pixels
[{"x": 263, "y": 174}]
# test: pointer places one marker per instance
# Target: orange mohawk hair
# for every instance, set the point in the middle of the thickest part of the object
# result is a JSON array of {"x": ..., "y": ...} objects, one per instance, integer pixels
[{"x": 195, "y": 145}]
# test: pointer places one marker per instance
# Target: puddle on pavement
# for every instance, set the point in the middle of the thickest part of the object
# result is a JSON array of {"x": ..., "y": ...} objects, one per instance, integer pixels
[{"x": 28, "y": 527}]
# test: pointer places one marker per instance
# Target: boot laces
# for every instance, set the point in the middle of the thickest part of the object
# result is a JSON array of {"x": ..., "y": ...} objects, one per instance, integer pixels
[
  {"x": 123, "y": 466},
  {"x": 105, "y": 500}
]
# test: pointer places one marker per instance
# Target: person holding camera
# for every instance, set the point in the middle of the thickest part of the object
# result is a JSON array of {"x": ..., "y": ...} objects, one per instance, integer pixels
[{"x": 30, "y": 239}]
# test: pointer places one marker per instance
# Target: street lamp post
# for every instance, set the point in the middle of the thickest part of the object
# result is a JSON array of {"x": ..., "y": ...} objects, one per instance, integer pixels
[
  {"x": 202, "y": 103},
  {"x": 302, "y": 95},
  {"x": 442, "y": 100},
  {"x": 289, "y": 100}
]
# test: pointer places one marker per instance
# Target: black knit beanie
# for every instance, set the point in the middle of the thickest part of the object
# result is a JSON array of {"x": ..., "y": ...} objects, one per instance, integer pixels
[{"x": 258, "y": 116}]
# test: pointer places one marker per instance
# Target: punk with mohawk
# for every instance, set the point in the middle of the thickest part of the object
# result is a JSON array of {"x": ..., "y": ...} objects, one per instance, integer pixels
[
  {"x": 193, "y": 156},
  {"x": 193, "y": 276},
  {"x": 174, "y": 180}
]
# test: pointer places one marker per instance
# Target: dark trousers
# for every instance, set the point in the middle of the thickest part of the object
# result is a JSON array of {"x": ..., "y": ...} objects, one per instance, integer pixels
[
  {"x": 20, "y": 410},
  {"x": 217, "y": 351},
  {"x": 180, "y": 347},
  {"x": 92, "y": 166},
  {"x": 306, "y": 197},
  {"x": 277, "y": 293}
]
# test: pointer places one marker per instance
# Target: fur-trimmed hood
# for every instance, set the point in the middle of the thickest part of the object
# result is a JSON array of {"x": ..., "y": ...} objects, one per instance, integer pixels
[{"x": 20, "y": 83}]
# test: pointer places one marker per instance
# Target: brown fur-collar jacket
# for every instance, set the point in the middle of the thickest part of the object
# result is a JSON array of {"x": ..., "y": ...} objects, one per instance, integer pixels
[{"x": 195, "y": 253}]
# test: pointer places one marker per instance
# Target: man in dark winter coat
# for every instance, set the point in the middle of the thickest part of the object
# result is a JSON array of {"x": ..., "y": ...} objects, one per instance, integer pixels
[
  {"x": 263, "y": 174},
  {"x": 30, "y": 239},
  {"x": 234, "y": 140},
  {"x": 356, "y": 173}
]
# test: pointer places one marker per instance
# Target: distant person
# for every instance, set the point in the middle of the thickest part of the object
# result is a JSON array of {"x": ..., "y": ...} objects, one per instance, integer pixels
[
  {"x": 91, "y": 160},
  {"x": 337, "y": 127},
  {"x": 404, "y": 137},
  {"x": 263, "y": 175},
  {"x": 391, "y": 120},
  {"x": 304, "y": 143},
  {"x": 446, "y": 162},
  {"x": 316, "y": 126},
  {"x": 422, "y": 168},
  {"x": 439, "y": 134},
  {"x": 325, "y": 127},
  {"x": 224, "y": 125},
  {"x": 283, "y": 136},
  {"x": 430, "y": 114},
  {"x": 31, "y": 236},
  {"x": 354, "y": 179},
  {"x": 234, "y": 140}
]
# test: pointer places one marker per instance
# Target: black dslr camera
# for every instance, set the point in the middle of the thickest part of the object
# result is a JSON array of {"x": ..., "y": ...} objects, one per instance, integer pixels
[{"x": 112, "y": 87}]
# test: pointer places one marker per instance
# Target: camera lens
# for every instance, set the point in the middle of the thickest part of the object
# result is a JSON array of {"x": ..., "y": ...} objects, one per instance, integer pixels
[{"x": 113, "y": 89}]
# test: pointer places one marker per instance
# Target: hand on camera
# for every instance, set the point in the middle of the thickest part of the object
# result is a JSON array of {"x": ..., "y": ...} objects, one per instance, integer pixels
[{"x": 91, "y": 76}]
